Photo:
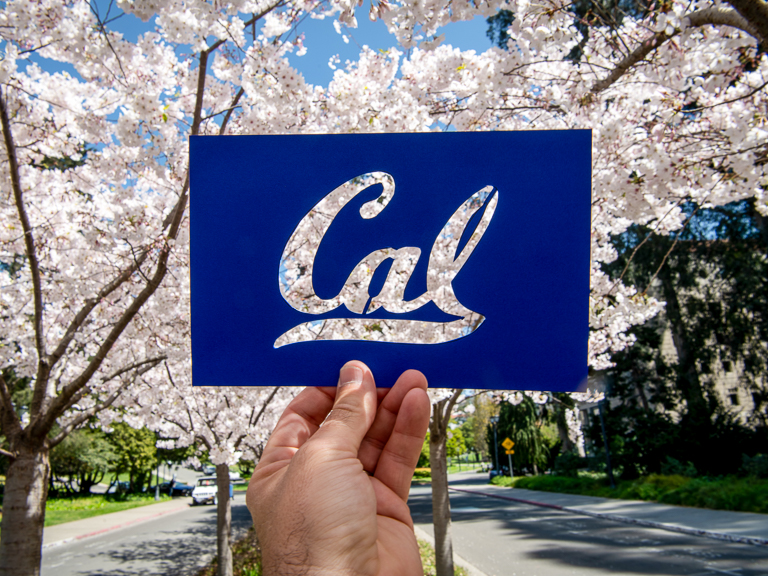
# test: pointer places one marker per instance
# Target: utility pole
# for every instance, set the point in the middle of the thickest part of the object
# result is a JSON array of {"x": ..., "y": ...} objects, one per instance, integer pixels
[{"x": 495, "y": 421}]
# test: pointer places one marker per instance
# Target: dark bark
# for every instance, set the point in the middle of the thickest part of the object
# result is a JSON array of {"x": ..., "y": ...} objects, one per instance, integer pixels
[
  {"x": 755, "y": 12},
  {"x": 26, "y": 491},
  {"x": 566, "y": 445},
  {"x": 223, "y": 522},
  {"x": 441, "y": 505}
]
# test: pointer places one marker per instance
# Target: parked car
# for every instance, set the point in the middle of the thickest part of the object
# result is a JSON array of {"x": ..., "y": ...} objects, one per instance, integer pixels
[
  {"x": 503, "y": 472},
  {"x": 209, "y": 470},
  {"x": 206, "y": 491},
  {"x": 176, "y": 488},
  {"x": 118, "y": 487}
]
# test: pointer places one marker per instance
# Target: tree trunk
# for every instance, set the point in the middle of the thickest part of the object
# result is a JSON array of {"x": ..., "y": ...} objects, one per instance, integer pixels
[
  {"x": 223, "y": 521},
  {"x": 566, "y": 444},
  {"x": 441, "y": 505},
  {"x": 26, "y": 490}
]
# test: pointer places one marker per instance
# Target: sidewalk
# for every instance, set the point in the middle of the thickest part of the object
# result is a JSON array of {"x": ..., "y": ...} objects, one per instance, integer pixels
[
  {"x": 742, "y": 527},
  {"x": 71, "y": 531}
]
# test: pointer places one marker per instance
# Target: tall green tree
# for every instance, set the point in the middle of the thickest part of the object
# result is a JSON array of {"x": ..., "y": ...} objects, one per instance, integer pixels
[
  {"x": 136, "y": 453},
  {"x": 711, "y": 275},
  {"x": 522, "y": 424},
  {"x": 82, "y": 460}
]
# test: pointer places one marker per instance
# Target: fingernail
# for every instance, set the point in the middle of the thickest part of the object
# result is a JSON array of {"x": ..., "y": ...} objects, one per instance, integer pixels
[{"x": 350, "y": 375}]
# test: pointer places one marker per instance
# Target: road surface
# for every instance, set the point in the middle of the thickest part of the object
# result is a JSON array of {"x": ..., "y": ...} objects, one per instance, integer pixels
[
  {"x": 175, "y": 544},
  {"x": 500, "y": 538},
  {"x": 503, "y": 538}
]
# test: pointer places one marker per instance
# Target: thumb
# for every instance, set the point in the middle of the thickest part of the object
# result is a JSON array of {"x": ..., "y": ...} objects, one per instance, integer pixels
[{"x": 353, "y": 410}]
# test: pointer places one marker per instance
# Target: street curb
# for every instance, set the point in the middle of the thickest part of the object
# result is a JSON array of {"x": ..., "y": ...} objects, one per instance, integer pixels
[
  {"x": 627, "y": 520},
  {"x": 458, "y": 560},
  {"x": 110, "y": 528}
]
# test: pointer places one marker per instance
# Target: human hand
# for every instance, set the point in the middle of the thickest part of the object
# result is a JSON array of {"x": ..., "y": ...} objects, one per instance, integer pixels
[{"x": 329, "y": 495}]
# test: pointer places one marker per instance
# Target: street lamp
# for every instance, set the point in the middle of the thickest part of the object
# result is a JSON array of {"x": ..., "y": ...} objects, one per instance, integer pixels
[{"x": 495, "y": 420}]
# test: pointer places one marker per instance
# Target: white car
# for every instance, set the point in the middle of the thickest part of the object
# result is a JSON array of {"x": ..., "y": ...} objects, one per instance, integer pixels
[{"x": 205, "y": 491}]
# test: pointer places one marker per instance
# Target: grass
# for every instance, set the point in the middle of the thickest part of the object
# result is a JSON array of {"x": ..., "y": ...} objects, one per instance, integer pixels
[
  {"x": 427, "y": 553},
  {"x": 246, "y": 559},
  {"x": 722, "y": 493},
  {"x": 61, "y": 510},
  {"x": 423, "y": 475}
]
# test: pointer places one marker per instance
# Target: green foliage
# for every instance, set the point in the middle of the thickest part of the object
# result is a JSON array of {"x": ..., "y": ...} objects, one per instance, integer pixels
[
  {"x": 424, "y": 456},
  {"x": 716, "y": 308},
  {"x": 82, "y": 460},
  {"x": 673, "y": 467},
  {"x": 455, "y": 444},
  {"x": 756, "y": 466},
  {"x": 246, "y": 558},
  {"x": 497, "y": 28},
  {"x": 422, "y": 473},
  {"x": 474, "y": 428},
  {"x": 723, "y": 493},
  {"x": 246, "y": 468},
  {"x": 135, "y": 452},
  {"x": 504, "y": 481},
  {"x": 522, "y": 424},
  {"x": 568, "y": 464},
  {"x": 737, "y": 494},
  {"x": 21, "y": 397}
]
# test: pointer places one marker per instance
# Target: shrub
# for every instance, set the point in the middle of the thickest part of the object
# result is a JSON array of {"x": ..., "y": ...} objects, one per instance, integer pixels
[
  {"x": 568, "y": 464},
  {"x": 756, "y": 466},
  {"x": 421, "y": 473},
  {"x": 673, "y": 467}
]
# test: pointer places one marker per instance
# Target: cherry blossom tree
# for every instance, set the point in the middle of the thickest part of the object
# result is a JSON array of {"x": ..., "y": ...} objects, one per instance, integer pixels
[
  {"x": 229, "y": 422},
  {"x": 94, "y": 193}
]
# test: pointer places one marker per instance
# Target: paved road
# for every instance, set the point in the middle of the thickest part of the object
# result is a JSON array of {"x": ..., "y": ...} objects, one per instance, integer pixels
[
  {"x": 498, "y": 537},
  {"x": 176, "y": 544},
  {"x": 510, "y": 539}
]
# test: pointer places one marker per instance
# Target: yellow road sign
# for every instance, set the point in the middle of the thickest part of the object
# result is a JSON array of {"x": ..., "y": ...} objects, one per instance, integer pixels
[
  {"x": 510, "y": 451},
  {"x": 507, "y": 443}
]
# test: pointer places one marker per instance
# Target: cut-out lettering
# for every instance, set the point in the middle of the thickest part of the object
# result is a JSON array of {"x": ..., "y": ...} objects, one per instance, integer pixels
[{"x": 297, "y": 266}]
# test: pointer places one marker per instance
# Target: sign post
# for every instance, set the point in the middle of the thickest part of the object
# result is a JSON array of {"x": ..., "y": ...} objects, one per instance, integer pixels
[{"x": 508, "y": 449}]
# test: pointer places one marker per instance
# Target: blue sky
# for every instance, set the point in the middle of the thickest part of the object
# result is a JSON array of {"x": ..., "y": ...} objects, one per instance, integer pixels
[{"x": 323, "y": 42}]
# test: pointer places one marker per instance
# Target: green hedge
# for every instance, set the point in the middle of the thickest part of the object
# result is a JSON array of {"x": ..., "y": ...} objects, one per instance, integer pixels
[{"x": 723, "y": 493}]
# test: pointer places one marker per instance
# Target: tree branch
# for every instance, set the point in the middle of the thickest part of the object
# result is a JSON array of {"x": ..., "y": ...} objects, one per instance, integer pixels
[
  {"x": 7, "y": 454},
  {"x": 145, "y": 366},
  {"x": 34, "y": 267},
  {"x": 91, "y": 303},
  {"x": 449, "y": 408},
  {"x": 756, "y": 13},
  {"x": 230, "y": 110},
  {"x": 708, "y": 16},
  {"x": 42, "y": 422}
]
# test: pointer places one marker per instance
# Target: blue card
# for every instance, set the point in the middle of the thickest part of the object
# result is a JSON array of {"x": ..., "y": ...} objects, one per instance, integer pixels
[{"x": 463, "y": 255}]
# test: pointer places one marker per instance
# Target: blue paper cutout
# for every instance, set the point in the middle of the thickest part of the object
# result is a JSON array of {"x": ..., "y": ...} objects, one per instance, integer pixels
[{"x": 463, "y": 255}]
